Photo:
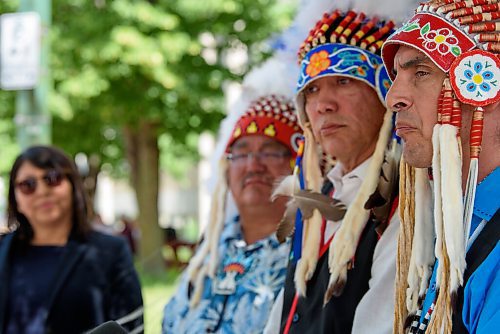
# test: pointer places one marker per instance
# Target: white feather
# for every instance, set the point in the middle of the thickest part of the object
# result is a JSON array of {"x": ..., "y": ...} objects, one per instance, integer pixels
[
  {"x": 398, "y": 11},
  {"x": 286, "y": 187}
]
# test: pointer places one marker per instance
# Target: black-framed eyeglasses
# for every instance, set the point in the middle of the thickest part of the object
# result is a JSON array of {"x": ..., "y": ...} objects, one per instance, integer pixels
[
  {"x": 52, "y": 178},
  {"x": 270, "y": 158}
]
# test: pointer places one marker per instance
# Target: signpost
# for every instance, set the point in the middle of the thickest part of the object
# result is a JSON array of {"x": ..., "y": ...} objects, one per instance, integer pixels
[
  {"x": 20, "y": 50},
  {"x": 24, "y": 67}
]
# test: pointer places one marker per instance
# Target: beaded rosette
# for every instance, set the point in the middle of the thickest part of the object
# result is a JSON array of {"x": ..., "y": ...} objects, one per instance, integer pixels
[{"x": 475, "y": 78}]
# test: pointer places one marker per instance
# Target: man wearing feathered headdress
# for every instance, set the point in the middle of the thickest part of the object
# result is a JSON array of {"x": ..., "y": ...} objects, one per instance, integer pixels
[
  {"x": 341, "y": 278},
  {"x": 446, "y": 92},
  {"x": 232, "y": 281}
]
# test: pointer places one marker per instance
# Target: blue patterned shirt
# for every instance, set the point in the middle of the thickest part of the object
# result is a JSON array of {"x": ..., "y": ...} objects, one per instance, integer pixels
[{"x": 240, "y": 297}]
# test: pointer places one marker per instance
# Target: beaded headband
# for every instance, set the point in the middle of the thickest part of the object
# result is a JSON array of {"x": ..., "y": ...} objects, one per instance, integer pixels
[{"x": 346, "y": 45}]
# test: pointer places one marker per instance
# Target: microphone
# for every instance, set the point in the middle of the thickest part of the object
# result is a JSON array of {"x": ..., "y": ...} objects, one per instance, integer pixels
[{"x": 110, "y": 327}]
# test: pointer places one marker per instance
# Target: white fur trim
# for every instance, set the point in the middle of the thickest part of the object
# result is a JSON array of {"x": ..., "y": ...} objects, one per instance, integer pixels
[
  {"x": 451, "y": 190},
  {"x": 422, "y": 255},
  {"x": 307, "y": 263},
  {"x": 438, "y": 201}
]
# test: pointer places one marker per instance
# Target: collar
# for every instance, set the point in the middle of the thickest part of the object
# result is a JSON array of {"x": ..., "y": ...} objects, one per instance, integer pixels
[
  {"x": 232, "y": 232},
  {"x": 487, "y": 200},
  {"x": 347, "y": 185}
]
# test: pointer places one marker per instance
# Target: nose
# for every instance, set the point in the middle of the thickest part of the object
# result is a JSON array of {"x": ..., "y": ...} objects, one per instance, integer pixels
[
  {"x": 398, "y": 98},
  {"x": 326, "y": 102},
  {"x": 42, "y": 187},
  {"x": 254, "y": 163}
]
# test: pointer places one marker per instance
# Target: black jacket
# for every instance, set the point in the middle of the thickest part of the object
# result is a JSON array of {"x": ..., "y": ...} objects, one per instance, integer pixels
[
  {"x": 96, "y": 282},
  {"x": 337, "y": 316}
]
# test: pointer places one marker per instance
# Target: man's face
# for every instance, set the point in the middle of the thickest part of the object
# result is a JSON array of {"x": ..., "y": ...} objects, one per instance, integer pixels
[
  {"x": 345, "y": 116},
  {"x": 414, "y": 96},
  {"x": 257, "y": 163}
]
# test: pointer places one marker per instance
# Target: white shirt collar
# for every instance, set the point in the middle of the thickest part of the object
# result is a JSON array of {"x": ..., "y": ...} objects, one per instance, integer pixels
[{"x": 346, "y": 186}]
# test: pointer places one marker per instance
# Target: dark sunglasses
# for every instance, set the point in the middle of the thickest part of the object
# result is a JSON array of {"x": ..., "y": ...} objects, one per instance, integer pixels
[{"x": 52, "y": 178}]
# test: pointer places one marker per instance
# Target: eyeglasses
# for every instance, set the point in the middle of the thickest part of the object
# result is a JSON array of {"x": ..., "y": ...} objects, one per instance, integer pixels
[
  {"x": 268, "y": 158},
  {"x": 52, "y": 178}
]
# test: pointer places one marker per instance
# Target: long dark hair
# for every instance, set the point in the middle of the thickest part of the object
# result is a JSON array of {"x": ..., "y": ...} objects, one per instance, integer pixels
[{"x": 48, "y": 157}]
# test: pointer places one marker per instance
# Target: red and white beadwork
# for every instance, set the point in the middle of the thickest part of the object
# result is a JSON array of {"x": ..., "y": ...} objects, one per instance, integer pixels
[{"x": 271, "y": 116}]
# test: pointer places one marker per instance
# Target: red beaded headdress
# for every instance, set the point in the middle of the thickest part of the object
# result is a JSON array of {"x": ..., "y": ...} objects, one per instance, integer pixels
[
  {"x": 272, "y": 116},
  {"x": 265, "y": 107}
]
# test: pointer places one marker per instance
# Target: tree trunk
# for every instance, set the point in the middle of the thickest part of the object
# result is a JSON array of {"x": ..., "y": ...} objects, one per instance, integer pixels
[
  {"x": 90, "y": 182},
  {"x": 143, "y": 155}
]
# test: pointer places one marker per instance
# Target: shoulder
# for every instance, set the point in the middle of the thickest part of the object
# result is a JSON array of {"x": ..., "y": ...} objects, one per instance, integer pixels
[
  {"x": 96, "y": 237},
  {"x": 113, "y": 246},
  {"x": 6, "y": 238},
  {"x": 481, "y": 305}
]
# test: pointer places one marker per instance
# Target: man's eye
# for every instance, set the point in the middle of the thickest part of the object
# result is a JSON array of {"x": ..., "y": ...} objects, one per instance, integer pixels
[
  {"x": 343, "y": 81},
  {"x": 310, "y": 89},
  {"x": 421, "y": 73}
]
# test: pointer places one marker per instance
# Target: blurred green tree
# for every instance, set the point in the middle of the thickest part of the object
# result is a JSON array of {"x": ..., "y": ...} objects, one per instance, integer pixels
[{"x": 127, "y": 72}]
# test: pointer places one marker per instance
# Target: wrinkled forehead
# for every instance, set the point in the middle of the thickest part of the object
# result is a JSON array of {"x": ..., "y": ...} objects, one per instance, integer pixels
[{"x": 408, "y": 57}]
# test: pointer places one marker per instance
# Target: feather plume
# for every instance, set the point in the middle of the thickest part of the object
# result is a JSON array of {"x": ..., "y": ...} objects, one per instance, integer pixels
[
  {"x": 398, "y": 11},
  {"x": 307, "y": 201},
  {"x": 286, "y": 227},
  {"x": 331, "y": 209}
]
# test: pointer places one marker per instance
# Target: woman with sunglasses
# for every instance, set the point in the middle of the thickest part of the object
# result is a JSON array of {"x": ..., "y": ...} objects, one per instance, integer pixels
[{"x": 56, "y": 274}]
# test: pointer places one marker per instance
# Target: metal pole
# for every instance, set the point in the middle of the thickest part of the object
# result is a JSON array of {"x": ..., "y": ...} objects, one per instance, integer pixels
[{"x": 32, "y": 118}]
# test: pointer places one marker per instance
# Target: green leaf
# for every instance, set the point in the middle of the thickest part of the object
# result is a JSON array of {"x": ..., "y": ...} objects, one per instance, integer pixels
[
  {"x": 425, "y": 29},
  {"x": 456, "y": 50},
  {"x": 411, "y": 27}
]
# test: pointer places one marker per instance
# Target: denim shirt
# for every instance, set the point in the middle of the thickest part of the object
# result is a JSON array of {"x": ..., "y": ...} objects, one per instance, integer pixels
[{"x": 240, "y": 297}]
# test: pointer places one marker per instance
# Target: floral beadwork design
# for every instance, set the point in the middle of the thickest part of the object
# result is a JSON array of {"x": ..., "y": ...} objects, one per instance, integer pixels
[
  {"x": 475, "y": 78},
  {"x": 441, "y": 40},
  {"x": 318, "y": 63},
  {"x": 479, "y": 79}
]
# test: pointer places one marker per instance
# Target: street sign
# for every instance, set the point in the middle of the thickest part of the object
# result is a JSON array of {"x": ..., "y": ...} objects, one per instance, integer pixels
[{"x": 20, "y": 42}]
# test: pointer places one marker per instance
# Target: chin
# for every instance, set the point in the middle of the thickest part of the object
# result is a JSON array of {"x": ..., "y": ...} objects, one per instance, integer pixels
[{"x": 417, "y": 159}]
